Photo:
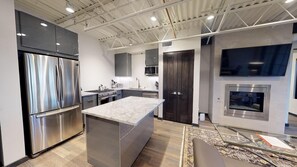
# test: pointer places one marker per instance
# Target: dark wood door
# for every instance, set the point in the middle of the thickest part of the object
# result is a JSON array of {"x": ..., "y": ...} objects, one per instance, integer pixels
[{"x": 178, "y": 86}]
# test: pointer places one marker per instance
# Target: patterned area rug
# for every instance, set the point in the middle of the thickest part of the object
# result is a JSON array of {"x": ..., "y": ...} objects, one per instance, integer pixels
[{"x": 212, "y": 137}]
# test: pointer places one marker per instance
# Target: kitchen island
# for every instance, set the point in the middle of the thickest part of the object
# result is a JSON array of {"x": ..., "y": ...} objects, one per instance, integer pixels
[{"x": 118, "y": 131}]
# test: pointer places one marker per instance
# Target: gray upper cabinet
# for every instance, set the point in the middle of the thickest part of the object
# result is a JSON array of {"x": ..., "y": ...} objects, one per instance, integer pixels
[
  {"x": 123, "y": 64},
  {"x": 36, "y": 33},
  {"x": 151, "y": 57},
  {"x": 66, "y": 41}
]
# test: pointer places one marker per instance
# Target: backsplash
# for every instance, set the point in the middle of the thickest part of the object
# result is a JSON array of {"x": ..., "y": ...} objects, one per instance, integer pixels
[{"x": 131, "y": 82}]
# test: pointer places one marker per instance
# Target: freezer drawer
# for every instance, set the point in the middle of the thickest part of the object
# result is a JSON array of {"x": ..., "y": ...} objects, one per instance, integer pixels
[
  {"x": 45, "y": 132},
  {"x": 50, "y": 128},
  {"x": 72, "y": 123}
]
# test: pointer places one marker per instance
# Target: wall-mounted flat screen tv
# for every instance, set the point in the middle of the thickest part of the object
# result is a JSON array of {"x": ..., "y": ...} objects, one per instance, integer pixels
[{"x": 269, "y": 60}]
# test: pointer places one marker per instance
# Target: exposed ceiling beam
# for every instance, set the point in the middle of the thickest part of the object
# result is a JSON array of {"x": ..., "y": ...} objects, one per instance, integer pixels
[
  {"x": 218, "y": 32},
  {"x": 141, "y": 12},
  {"x": 97, "y": 15},
  {"x": 170, "y": 20},
  {"x": 221, "y": 12}
]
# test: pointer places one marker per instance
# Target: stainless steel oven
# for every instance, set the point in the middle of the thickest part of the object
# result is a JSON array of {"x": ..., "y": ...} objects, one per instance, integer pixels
[{"x": 106, "y": 97}]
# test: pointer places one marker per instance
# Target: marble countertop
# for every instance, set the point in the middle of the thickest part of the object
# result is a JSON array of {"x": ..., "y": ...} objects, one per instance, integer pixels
[{"x": 130, "y": 110}]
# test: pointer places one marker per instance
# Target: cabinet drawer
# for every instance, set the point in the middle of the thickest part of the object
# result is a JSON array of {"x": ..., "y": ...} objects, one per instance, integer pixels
[{"x": 89, "y": 101}]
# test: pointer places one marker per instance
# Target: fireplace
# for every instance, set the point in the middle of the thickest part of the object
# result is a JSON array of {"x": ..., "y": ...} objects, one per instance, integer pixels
[{"x": 247, "y": 101}]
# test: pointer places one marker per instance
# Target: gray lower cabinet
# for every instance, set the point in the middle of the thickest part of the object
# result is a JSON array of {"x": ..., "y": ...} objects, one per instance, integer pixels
[
  {"x": 89, "y": 101},
  {"x": 119, "y": 94},
  {"x": 36, "y": 33},
  {"x": 127, "y": 93},
  {"x": 66, "y": 41},
  {"x": 151, "y": 57},
  {"x": 123, "y": 65}
]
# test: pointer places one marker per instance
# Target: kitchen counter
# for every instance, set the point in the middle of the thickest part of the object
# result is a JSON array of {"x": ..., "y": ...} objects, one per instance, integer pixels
[
  {"x": 83, "y": 94},
  {"x": 118, "y": 131},
  {"x": 129, "y": 110},
  {"x": 136, "y": 89}
]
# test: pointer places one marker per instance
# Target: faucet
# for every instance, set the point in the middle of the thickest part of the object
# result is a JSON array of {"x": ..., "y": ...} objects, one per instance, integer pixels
[
  {"x": 138, "y": 83},
  {"x": 100, "y": 88}
]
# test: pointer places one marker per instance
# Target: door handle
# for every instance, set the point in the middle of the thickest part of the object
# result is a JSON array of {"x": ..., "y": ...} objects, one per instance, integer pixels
[
  {"x": 173, "y": 93},
  {"x": 58, "y": 84},
  {"x": 55, "y": 112},
  {"x": 178, "y": 93},
  {"x": 61, "y": 82}
]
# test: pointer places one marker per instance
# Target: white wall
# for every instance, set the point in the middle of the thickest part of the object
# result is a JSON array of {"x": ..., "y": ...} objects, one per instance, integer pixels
[
  {"x": 96, "y": 63},
  {"x": 10, "y": 99},
  {"x": 204, "y": 78},
  {"x": 188, "y": 44},
  {"x": 279, "y": 99}
]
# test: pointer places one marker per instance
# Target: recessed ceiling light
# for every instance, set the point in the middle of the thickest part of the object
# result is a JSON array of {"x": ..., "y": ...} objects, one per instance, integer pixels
[
  {"x": 70, "y": 10},
  {"x": 130, "y": 44},
  {"x": 210, "y": 17},
  {"x": 288, "y": 1},
  {"x": 153, "y": 18},
  {"x": 43, "y": 24},
  {"x": 58, "y": 44}
]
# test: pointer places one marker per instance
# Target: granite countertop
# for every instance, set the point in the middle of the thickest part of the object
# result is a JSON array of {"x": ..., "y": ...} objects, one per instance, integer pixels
[{"x": 130, "y": 110}]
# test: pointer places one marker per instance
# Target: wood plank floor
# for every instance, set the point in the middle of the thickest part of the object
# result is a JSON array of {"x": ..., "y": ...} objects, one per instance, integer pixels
[{"x": 163, "y": 149}]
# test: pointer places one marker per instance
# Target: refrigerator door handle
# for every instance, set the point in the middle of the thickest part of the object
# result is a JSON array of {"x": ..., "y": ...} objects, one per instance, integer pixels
[
  {"x": 55, "y": 112},
  {"x": 61, "y": 84},
  {"x": 58, "y": 85}
]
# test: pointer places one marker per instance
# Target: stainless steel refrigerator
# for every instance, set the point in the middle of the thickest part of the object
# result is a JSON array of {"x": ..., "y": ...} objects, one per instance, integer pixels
[{"x": 53, "y": 110}]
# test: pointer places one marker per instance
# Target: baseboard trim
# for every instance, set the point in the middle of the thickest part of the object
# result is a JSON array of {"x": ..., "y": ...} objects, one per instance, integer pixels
[
  {"x": 18, "y": 162},
  {"x": 193, "y": 124},
  {"x": 293, "y": 114}
]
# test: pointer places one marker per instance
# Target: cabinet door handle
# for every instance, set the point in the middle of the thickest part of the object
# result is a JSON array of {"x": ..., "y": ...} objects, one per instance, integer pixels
[
  {"x": 173, "y": 93},
  {"x": 178, "y": 93}
]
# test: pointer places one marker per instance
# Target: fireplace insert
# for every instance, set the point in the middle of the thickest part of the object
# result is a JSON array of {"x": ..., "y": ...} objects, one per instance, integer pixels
[{"x": 247, "y": 101}]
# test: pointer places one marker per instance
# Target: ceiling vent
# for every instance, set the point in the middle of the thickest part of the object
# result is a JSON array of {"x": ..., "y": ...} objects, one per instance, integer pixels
[{"x": 165, "y": 44}]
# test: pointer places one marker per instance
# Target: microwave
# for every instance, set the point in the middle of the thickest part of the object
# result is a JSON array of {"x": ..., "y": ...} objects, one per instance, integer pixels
[{"x": 151, "y": 71}]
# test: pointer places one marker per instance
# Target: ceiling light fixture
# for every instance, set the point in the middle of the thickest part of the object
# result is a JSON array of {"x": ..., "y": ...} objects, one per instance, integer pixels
[
  {"x": 288, "y": 1},
  {"x": 69, "y": 8},
  {"x": 130, "y": 44},
  {"x": 43, "y": 24},
  {"x": 153, "y": 18},
  {"x": 58, "y": 44},
  {"x": 210, "y": 17}
]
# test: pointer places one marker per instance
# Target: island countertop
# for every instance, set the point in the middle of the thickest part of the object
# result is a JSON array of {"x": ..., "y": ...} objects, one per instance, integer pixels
[{"x": 130, "y": 110}]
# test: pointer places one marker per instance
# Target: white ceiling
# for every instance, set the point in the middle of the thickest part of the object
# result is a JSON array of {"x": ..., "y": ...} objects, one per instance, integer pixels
[{"x": 117, "y": 23}]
